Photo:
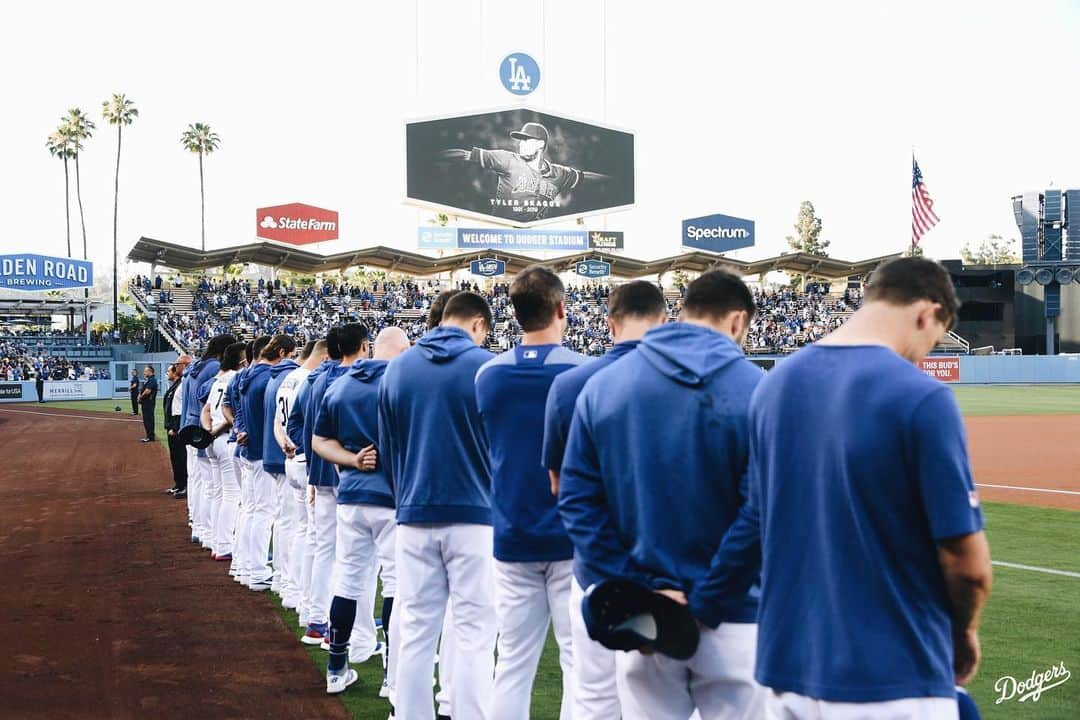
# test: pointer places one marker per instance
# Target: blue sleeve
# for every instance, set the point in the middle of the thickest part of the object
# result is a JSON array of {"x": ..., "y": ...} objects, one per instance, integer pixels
[
  {"x": 236, "y": 405},
  {"x": 945, "y": 483},
  {"x": 554, "y": 446},
  {"x": 325, "y": 424},
  {"x": 386, "y": 447},
  {"x": 584, "y": 508},
  {"x": 294, "y": 428},
  {"x": 204, "y": 393}
]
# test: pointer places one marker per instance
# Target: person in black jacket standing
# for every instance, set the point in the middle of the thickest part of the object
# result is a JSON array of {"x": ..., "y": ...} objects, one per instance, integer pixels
[
  {"x": 177, "y": 453},
  {"x": 39, "y": 385},
  {"x": 133, "y": 390},
  {"x": 147, "y": 398}
]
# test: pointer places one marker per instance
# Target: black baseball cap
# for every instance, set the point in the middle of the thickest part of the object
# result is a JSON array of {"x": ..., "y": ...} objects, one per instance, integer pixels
[
  {"x": 196, "y": 436},
  {"x": 623, "y": 614},
  {"x": 531, "y": 131}
]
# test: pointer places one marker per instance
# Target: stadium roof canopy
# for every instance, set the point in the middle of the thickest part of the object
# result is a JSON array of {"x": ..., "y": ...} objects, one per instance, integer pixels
[
  {"x": 32, "y": 305},
  {"x": 288, "y": 257}
]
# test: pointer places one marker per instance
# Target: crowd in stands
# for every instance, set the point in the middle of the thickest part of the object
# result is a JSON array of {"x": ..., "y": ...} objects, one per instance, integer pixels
[
  {"x": 21, "y": 360},
  {"x": 786, "y": 318}
]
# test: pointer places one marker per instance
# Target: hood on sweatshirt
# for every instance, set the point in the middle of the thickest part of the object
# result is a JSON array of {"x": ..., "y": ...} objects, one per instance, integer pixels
[
  {"x": 323, "y": 367},
  {"x": 688, "y": 354},
  {"x": 283, "y": 367},
  {"x": 254, "y": 371},
  {"x": 443, "y": 344},
  {"x": 367, "y": 370}
]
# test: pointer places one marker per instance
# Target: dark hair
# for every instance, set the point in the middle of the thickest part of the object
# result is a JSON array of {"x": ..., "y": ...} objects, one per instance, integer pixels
[
  {"x": 233, "y": 356},
  {"x": 333, "y": 344},
  {"x": 536, "y": 293},
  {"x": 639, "y": 298},
  {"x": 257, "y": 347},
  {"x": 277, "y": 344},
  {"x": 170, "y": 369},
  {"x": 309, "y": 347},
  {"x": 151, "y": 369},
  {"x": 217, "y": 345},
  {"x": 716, "y": 293},
  {"x": 351, "y": 337},
  {"x": 466, "y": 306},
  {"x": 435, "y": 313},
  {"x": 904, "y": 281}
]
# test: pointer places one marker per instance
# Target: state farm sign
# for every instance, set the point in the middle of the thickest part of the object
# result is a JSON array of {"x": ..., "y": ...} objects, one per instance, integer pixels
[{"x": 296, "y": 223}]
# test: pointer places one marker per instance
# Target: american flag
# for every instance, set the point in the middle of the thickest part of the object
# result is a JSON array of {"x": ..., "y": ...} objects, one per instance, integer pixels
[{"x": 922, "y": 207}]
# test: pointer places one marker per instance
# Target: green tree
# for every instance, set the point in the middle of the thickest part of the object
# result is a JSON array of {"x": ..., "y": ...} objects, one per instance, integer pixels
[
  {"x": 118, "y": 111},
  {"x": 992, "y": 251},
  {"x": 199, "y": 139},
  {"x": 79, "y": 127},
  {"x": 913, "y": 251},
  {"x": 808, "y": 232},
  {"x": 59, "y": 145}
]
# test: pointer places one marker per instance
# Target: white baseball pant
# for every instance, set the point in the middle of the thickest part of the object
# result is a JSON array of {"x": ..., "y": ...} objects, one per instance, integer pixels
[
  {"x": 240, "y": 542},
  {"x": 436, "y": 562},
  {"x": 718, "y": 681},
  {"x": 308, "y": 565},
  {"x": 789, "y": 706},
  {"x": 210, "y": 490},
  {"x": 296, "y": 510},
  {"x": 281, "y": 528},
  {"x": 594, "y": 694},
  {"x": 322, "y": 562},
  {"x": 224, "y": 517},
  {"x": 259, "y": 525},
  {"x": 365, "y": 542},
  {"x": 446, "y": 661},
  {"x": 529, "y": 595},
  {"x": 194, "y": 489}
]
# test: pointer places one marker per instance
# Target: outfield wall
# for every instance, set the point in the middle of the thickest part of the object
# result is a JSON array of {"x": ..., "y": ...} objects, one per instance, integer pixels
[
  {"x": 989, "y": 369},
  {"x": 26, "y": 391}
]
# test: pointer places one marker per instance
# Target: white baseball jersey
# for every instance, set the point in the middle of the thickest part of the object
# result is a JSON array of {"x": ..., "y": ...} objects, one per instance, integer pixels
[
  {"x": 286, "y": 394},
  {"x": 217, "y": 393}
]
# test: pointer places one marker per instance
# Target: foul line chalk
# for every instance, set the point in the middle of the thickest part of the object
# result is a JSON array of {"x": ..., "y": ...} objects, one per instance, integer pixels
[
  {"x": 1033, "y": 568},
  {"x": 1030, "y": 489},
  {"x": 80, "y": 417}
]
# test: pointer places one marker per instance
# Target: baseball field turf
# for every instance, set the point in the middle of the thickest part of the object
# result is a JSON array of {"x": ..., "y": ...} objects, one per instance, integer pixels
[{"x": 1030, "y": 625}]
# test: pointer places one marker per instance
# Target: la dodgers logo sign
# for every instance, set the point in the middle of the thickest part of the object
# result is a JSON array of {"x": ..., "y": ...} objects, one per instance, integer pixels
[{"x": 519, "y": 73}]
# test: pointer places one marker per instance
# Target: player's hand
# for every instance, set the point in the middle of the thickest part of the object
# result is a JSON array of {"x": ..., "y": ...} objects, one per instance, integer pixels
[
  {"x": 366, "y": 459},
  {"x": 172, "y": 433},
  {"x": 241, "y": 438},
  {"x": 677, "y": 595},
  {"x": 966, "y": 655},
  {"x": 311, "y": 494},
  {"x": 289, "y": 449}
]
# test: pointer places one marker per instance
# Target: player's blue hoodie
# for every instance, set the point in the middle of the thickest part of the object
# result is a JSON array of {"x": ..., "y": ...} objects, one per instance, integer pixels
[
  {"x": 197, "y": 374},
  {"x": 431, "y": 439},
  {"x": 294, "y": 428},
  {"x": 273, "y": 457},
  {"x": 655, "y": 466},
  {"x": 232, "y": 399},
  {"x": 320, "y": 472},
  {"x": 252, "y": 393},
  {"x": 349, "y": 413}
]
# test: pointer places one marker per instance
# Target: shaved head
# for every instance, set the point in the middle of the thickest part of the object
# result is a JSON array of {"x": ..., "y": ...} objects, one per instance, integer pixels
[{"x": 390, "y": 342}]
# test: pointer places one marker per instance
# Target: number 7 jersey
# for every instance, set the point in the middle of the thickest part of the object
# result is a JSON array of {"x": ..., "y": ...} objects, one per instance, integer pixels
[{"x": 217, "y": 395}]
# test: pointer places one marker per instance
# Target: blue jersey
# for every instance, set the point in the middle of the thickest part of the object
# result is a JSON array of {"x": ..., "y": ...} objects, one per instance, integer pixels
[
  {"x": 559, "y": 410},
  {"x": 232, "y": 400},
  {"x": 197, "y": 373},
  {"x": 859, "y": 466},
  {"x": 320, "y": 472},
  {"x": 273, "y": 456},
  {"x": 511, "y": 393},
  {"x": 252, "y": 394},
  {"x": 349, "y": 413}
]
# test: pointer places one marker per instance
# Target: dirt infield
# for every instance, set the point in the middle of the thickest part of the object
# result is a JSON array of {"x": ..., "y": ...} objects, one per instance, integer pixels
[
  {"x": 109, "y": 610},
  {"x": 1040, "y": 453}
]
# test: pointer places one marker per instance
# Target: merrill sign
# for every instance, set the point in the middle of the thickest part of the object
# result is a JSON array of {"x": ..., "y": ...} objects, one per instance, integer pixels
[{"x": 296, "y": 224}]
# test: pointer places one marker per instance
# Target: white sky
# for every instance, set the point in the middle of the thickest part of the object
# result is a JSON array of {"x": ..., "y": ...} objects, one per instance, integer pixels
[{"x": 739, "y": 108}]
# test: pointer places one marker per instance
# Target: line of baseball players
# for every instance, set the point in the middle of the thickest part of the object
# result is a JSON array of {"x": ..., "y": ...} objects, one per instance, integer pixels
[{"x": 820, "y": 523}]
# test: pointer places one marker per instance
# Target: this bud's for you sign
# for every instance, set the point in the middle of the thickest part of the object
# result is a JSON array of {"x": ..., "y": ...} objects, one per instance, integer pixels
[{"x": 945, "y": 369}]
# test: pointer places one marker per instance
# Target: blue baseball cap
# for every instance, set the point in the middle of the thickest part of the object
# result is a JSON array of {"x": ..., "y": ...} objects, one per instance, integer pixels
[{"x": 623, "y": 614}]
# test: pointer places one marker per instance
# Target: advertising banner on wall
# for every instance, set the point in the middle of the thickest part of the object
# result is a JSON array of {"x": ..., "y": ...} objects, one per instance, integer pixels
[
  {"x": 593, "y": 268},
  {"x": 436, "y": 238},
  {"x": 10, "y": 391},
  {"x": 717, "y": 233},
  {"x": 518, "y": 166},
  {"x": 945, "y": 369},
  {"x": 296, "y": 224},
  {"x": 510, "y": 239},
  {"x": 29, "y": 272},
  {"x": 603, "y": 240},
  {"x": 70, "y": 389},
  {"x": 487, "y": 267}
]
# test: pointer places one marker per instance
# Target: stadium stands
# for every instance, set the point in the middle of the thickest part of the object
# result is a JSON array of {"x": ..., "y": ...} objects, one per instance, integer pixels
[{"x": 59, "y": 357}]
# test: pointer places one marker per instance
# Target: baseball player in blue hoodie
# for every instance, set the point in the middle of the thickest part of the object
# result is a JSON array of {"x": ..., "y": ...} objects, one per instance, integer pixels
[
  {"x": 218, "y": 421},
  {"x": 868, "y": 515},
  {"x": 295, "y": 513},
  {"x": 274, "y": 466},
  {"x": 346, "y": 434},
  {"x": 433, "y": 446},
  {"x": 533, "y": 555},
  {"x": 260, "y": 521},
  {"x": 343, "y": 344},
  {"x": 654, "y": 476},
  {"x": 634, "y": 308}
]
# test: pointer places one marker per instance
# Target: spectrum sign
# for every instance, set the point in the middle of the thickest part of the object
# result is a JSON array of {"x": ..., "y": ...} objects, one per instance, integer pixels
[{"x": 296, "y": 224}]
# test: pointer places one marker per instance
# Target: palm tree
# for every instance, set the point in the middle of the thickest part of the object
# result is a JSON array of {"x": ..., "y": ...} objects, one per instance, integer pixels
[
  {"x": 59, "y": 145},
  {"x": 118, "y": 111},
  {"x": 198, "y": 138},
  {"x": 79, "y": 127}
]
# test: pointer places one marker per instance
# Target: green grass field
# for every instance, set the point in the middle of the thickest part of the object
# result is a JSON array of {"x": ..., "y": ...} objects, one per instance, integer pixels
[{"x": 1030, "y": 623}]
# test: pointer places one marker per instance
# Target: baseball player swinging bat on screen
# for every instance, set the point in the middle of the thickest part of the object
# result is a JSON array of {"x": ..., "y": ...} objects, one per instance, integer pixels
[{"x": 528, "y": 184}]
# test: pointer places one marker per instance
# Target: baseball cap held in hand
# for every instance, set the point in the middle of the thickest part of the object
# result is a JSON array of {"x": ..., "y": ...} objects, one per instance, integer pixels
[{"x": 626, "y": 615}]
